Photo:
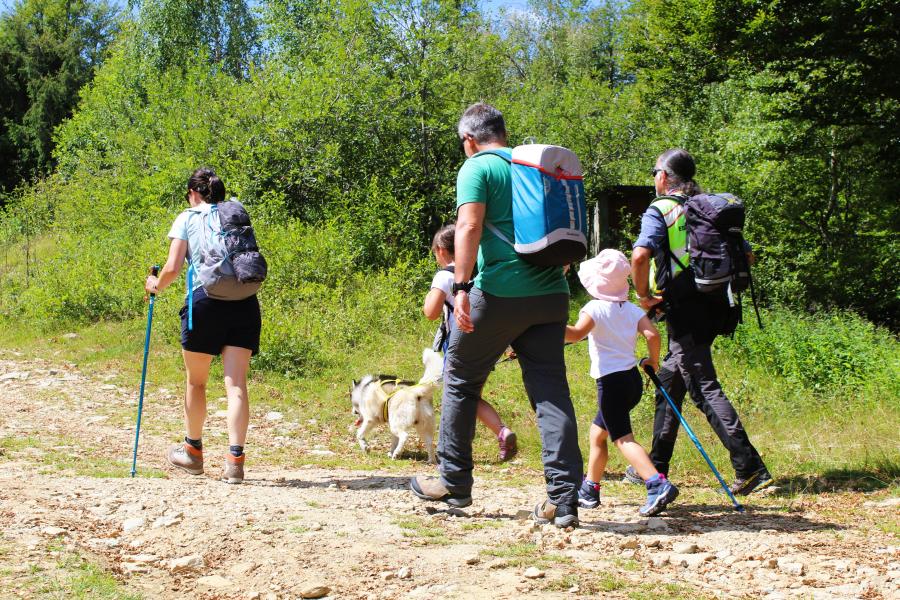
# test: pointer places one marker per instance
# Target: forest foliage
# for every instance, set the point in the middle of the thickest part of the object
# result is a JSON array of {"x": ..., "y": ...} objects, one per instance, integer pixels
[{"x": 335, "y": 122}]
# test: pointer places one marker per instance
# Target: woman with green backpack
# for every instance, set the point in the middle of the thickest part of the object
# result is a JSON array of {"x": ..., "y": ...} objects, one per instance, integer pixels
[{"x": 210, "y": 326}]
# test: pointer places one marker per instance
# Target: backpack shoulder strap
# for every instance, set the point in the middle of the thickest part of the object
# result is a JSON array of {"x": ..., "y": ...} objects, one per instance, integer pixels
[{"x": 504, "y": 153}]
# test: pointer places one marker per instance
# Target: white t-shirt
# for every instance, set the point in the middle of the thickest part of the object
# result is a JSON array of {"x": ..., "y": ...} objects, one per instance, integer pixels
[
  {"x": 611, "y": 342},
  {"x": 443, "y": 280}
]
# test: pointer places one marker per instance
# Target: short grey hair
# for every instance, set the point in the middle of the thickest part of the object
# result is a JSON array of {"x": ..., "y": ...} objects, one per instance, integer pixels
[{"x": 484, "y": 123}]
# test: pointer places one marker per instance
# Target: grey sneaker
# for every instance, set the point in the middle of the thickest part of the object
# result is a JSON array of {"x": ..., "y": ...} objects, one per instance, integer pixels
[
  {"x": 631, "y": 476},
  {"x": 186, "y": 457},
  {"x": 561, "y": 516},
  {"x": 233, "y": 472}
]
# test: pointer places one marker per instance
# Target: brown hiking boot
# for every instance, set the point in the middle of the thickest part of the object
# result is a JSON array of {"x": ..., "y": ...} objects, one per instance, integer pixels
[
  {"x": 431, "y": 488},
  {"x": 506, "y": 440},
  {"x": 187, "y": 458},
  {"x": 233, "y": 472}
]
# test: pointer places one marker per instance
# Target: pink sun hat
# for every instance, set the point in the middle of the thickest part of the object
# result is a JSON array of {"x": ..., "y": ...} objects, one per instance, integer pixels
[{"x": 605, "y": 276}]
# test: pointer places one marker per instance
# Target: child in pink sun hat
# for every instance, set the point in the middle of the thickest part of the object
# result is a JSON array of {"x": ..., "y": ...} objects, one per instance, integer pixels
[{"x": 612, "y": 324}]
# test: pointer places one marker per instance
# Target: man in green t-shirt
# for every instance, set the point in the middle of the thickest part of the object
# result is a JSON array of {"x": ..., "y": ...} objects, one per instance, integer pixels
[{"x": 510, "y": 303}]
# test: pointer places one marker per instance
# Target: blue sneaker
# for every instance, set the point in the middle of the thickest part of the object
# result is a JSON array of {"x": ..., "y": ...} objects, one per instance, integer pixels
[
  {"x": 589, "y": 494},
  {"x": 660, "y": 492}
]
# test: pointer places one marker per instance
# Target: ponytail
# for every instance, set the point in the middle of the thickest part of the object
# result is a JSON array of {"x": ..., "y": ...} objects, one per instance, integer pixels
[
  {"x": 680, "y": 169},
  {"x": 205, "y": 182}
]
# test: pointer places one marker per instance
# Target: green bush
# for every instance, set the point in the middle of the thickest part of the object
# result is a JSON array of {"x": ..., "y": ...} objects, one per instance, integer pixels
[{"x": 835, "y": 351}]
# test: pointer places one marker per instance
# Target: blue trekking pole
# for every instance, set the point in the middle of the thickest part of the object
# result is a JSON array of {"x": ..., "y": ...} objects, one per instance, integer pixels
[
  {"x": 649, "y": 370},
  {"x": 137, "y": 431}
]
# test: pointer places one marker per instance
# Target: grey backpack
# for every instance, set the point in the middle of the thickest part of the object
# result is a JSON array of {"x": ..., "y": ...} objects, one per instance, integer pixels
[{"x": 231, "y": 266}]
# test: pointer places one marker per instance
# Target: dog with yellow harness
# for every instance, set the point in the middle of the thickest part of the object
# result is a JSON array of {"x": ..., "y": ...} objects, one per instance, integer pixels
[{"x": 402, "y": 405}]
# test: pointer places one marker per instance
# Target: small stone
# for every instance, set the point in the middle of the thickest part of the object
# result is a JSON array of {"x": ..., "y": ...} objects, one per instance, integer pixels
[
  {"x": 186, "y": 563},
  {"x": 130, "y": 525},
  {"x": 890, "y": 502},
  {"x": 628, "y": 554},
  {"x": 629, "y": 544},
  {"x": 770, "y": 563},
  {"x": 388, "y": 575},
  {"x": 314, "y": 591},
  {"x": 251, "y": 596},
  {"x": 70, "y": 336},
  {"x": 533, "y": 573},
  {"x": 657, "y": 523},
  {"x": 472, "y": 559},
  {"x": 133, "y": 568},
  {"x": 216, "y": 582},
  {"x": 271, "y": 596},
  {"x": 404, "y": 573},
  {"x": 141, "y": 558},
  {"x": 274, "y": 416},
  {"x": 791, "y": 568},
  {"x": 315, "y": 527},
  {"x": 659, "y": 560},
  {"x": 165, "y": 521},
  {"x": 691, "y": 560},
  {"x": 54, "y": 531},
  {"x": 684, "y": 548},
  {"x": 242, "y": 569}
]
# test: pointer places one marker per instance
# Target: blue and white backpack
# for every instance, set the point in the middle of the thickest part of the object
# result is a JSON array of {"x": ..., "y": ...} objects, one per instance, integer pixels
[
  {"x": 549, "y": 216},
  {"x": 231, "y": 265}
]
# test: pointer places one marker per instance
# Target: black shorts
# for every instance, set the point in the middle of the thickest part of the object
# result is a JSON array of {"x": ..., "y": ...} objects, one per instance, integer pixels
[
  {"x": 617, "y": 394},
  {"x": 220, "y": 323}
]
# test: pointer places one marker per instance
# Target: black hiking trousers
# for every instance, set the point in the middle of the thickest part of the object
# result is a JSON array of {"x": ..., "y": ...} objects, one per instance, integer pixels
[{"x": 688, "y": 367}]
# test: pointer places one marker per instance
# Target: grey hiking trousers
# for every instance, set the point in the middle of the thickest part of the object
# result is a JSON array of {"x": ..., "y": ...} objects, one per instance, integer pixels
[
  {"x": 535, "y": 328},
  {"x": 688, "y": 367}
]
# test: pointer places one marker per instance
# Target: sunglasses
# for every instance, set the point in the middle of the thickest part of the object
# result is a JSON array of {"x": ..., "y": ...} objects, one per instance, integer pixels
[
  {"x": 462, "y": 145},
  {"x": 654, "y": 171}
]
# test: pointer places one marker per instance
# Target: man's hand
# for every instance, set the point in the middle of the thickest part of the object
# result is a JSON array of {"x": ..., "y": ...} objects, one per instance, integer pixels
[{"x": 461, "y": 312}]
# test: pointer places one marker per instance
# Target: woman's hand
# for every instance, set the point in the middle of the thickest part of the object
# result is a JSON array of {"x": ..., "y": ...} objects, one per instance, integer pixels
[{"x": 152, "y": 284}]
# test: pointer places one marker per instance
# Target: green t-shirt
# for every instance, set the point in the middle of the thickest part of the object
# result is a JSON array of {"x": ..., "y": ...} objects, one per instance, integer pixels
[{"x": 487, "y": 178}]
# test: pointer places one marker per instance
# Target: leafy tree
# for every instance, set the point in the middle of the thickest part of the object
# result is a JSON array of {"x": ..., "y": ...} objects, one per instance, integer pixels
[{"x": 48, "y": 51}]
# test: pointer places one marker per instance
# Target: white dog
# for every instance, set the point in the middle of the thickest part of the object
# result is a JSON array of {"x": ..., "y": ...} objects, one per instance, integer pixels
[{"x": 402, "y": 405}]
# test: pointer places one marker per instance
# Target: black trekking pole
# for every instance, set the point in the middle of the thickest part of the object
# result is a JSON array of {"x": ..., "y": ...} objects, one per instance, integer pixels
[
  {"x": 137, "y": 430},
  {"x": 649, "y": 370}
]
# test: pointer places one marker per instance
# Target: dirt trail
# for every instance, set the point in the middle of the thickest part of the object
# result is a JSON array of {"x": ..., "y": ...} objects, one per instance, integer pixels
[{"x": 362, "y": 535}]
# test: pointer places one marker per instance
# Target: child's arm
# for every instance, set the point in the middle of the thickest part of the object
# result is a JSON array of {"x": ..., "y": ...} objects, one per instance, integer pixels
[
  {"x": 434, "y": 303},
  {"x": 576, "y": 332},
  {"x": 646, "y": 329}
]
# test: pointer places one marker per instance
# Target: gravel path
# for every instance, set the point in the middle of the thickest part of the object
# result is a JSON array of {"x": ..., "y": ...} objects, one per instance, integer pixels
[{"x": 313, "y": 532}]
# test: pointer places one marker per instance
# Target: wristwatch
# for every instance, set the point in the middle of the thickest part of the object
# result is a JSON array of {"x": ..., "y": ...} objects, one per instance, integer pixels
[{"x": 461, "y": 287}]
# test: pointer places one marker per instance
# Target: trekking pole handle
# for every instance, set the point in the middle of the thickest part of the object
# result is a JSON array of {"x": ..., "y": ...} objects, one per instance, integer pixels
[{"x": 154, "y": 270}]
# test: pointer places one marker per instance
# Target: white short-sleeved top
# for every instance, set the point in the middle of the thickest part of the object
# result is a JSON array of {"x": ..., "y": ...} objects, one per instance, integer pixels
[
  {"x": 443, "y": 280},
  {"x": 189, "y": 226},
  {"x": 612, "y": 341}
]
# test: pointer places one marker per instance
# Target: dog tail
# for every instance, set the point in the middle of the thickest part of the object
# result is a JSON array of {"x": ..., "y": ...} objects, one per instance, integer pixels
[{"x": 434, "y": 367}]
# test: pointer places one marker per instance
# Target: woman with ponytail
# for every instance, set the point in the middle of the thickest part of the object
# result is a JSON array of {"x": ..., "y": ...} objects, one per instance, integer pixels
[{"x": 229, "y": 328}]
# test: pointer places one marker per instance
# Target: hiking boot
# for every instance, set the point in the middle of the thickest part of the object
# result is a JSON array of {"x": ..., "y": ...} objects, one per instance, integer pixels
[
  {"x": 631, "y": 476},
  {"x": 589, "y": 494},
  {"x": 659, "y": 494},
  {"x": 233, "y": 472},
  {"x": 506, "y": 440},
  {"x": 431, "y": 488},
  {"x": 186, "y": 457},
  {"x": 753, "y": 483},
  {"x": 561, "y": 516}
]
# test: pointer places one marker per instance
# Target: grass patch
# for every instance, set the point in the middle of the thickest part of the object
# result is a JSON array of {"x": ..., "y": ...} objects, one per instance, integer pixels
[
  {"x": 62, "y": 456},
  {"x": 478, "y": 525},
  {"x": 526, "y": 554},
  {"x": 415, "y": 527},
  {"x": 813, "y": 440},
  {"x": 666, "y": 591},
  {"x": 71, "y": 576}
]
